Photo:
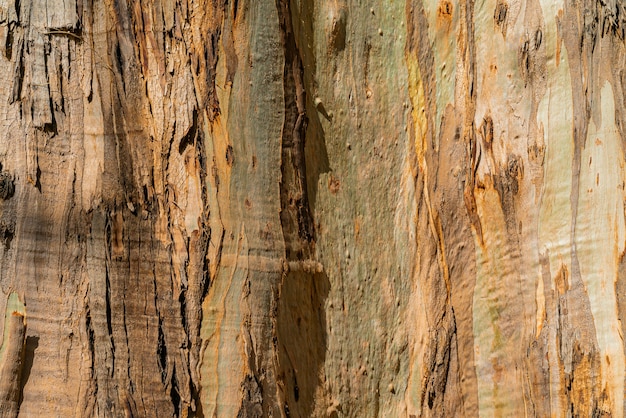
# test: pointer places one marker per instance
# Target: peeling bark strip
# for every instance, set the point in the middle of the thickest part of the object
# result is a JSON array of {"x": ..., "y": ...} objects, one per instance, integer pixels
[
  {"x": 12, "y": 359},
  {"x": 112, "y": 235},
  {"x": 525, "y": 191},
  {"x": 193, "y": 239}
]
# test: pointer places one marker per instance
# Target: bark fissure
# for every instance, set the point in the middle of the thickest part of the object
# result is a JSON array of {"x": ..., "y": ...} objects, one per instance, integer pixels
[{"x": 294, "y": 194}]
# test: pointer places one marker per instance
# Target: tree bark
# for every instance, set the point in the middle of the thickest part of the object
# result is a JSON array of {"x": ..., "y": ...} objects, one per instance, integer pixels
[{"x": 312, "y": 208}]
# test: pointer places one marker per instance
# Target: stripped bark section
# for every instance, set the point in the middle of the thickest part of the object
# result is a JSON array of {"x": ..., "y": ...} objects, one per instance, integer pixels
[
  {"x": 446, "y": 208},
  {"x": 294, "y": 194},
  {"x": 115, "y": 188},
  {"x": 11, "y": 363},
  {"x": 501, "y": 173}
]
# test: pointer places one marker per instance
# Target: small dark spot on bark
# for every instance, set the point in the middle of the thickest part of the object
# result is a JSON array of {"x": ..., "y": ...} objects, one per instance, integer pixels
[
  {"x": 7, "y": 231},
  {"x": 235, "y": 9},
  {"x": 18, "y": 78},
  {"x": 499, "y": 14},
  {"x": 514, "y": 173},
  {"x": 230, "y": 155},
  {"x": 445, "y": 10},
  {"x": 51, "y": 127},
  {"x": 266, "y": 233},
  {"x": 119, "y": 62},
  {"x": 31, "y": 344},
  {"x": 247, "y": 203},
  {"x": 7, "y": 186},
  {"x": 215, "y": 173},
  {"x": 525, "y": 50},
  {"x": 8, "y": 45},
  {"x": 162, "y": 352},
  {"x": 254, "y": 161},
  {"x": 18, "y": 9},
  {"x": 524, "y": 60},
  {"x": 333, "y": 184},
  {"x": 191, "y": 135},
  {"x": 538, "y": 38},
  {"x": 337, "y": 37},
  {"x": 175, "y": 396},
  {"x": 146, "y": 196},
  {"x": 486, "y": 130}
]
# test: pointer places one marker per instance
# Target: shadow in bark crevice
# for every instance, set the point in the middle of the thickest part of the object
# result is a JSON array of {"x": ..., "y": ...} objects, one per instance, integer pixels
[
  {"x": 31, "y": 344},
  {"x": 302, "y": 339},
  {"x": 300, "y": 328},
  {"x": 316, "y": 154},
  {"x": 304, "y": 154}
]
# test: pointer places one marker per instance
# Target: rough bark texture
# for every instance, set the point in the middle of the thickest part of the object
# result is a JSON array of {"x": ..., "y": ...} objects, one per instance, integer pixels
[
  {"x": 302, "y": 208},
  {"x": 12, "y": 358}
]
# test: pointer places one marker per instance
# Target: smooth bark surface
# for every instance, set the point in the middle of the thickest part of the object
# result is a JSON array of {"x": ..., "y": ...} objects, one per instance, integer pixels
[{"x": 301, "y": 208}]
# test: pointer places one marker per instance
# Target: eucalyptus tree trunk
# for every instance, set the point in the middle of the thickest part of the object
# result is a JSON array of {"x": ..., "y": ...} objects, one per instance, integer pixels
[{"x": 298, "y": 208}]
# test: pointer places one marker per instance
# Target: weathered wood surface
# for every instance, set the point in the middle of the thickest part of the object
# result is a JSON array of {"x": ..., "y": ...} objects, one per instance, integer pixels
[
  {"x": 301, "y": 208},
  {"x": 12, "y": 358}
]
